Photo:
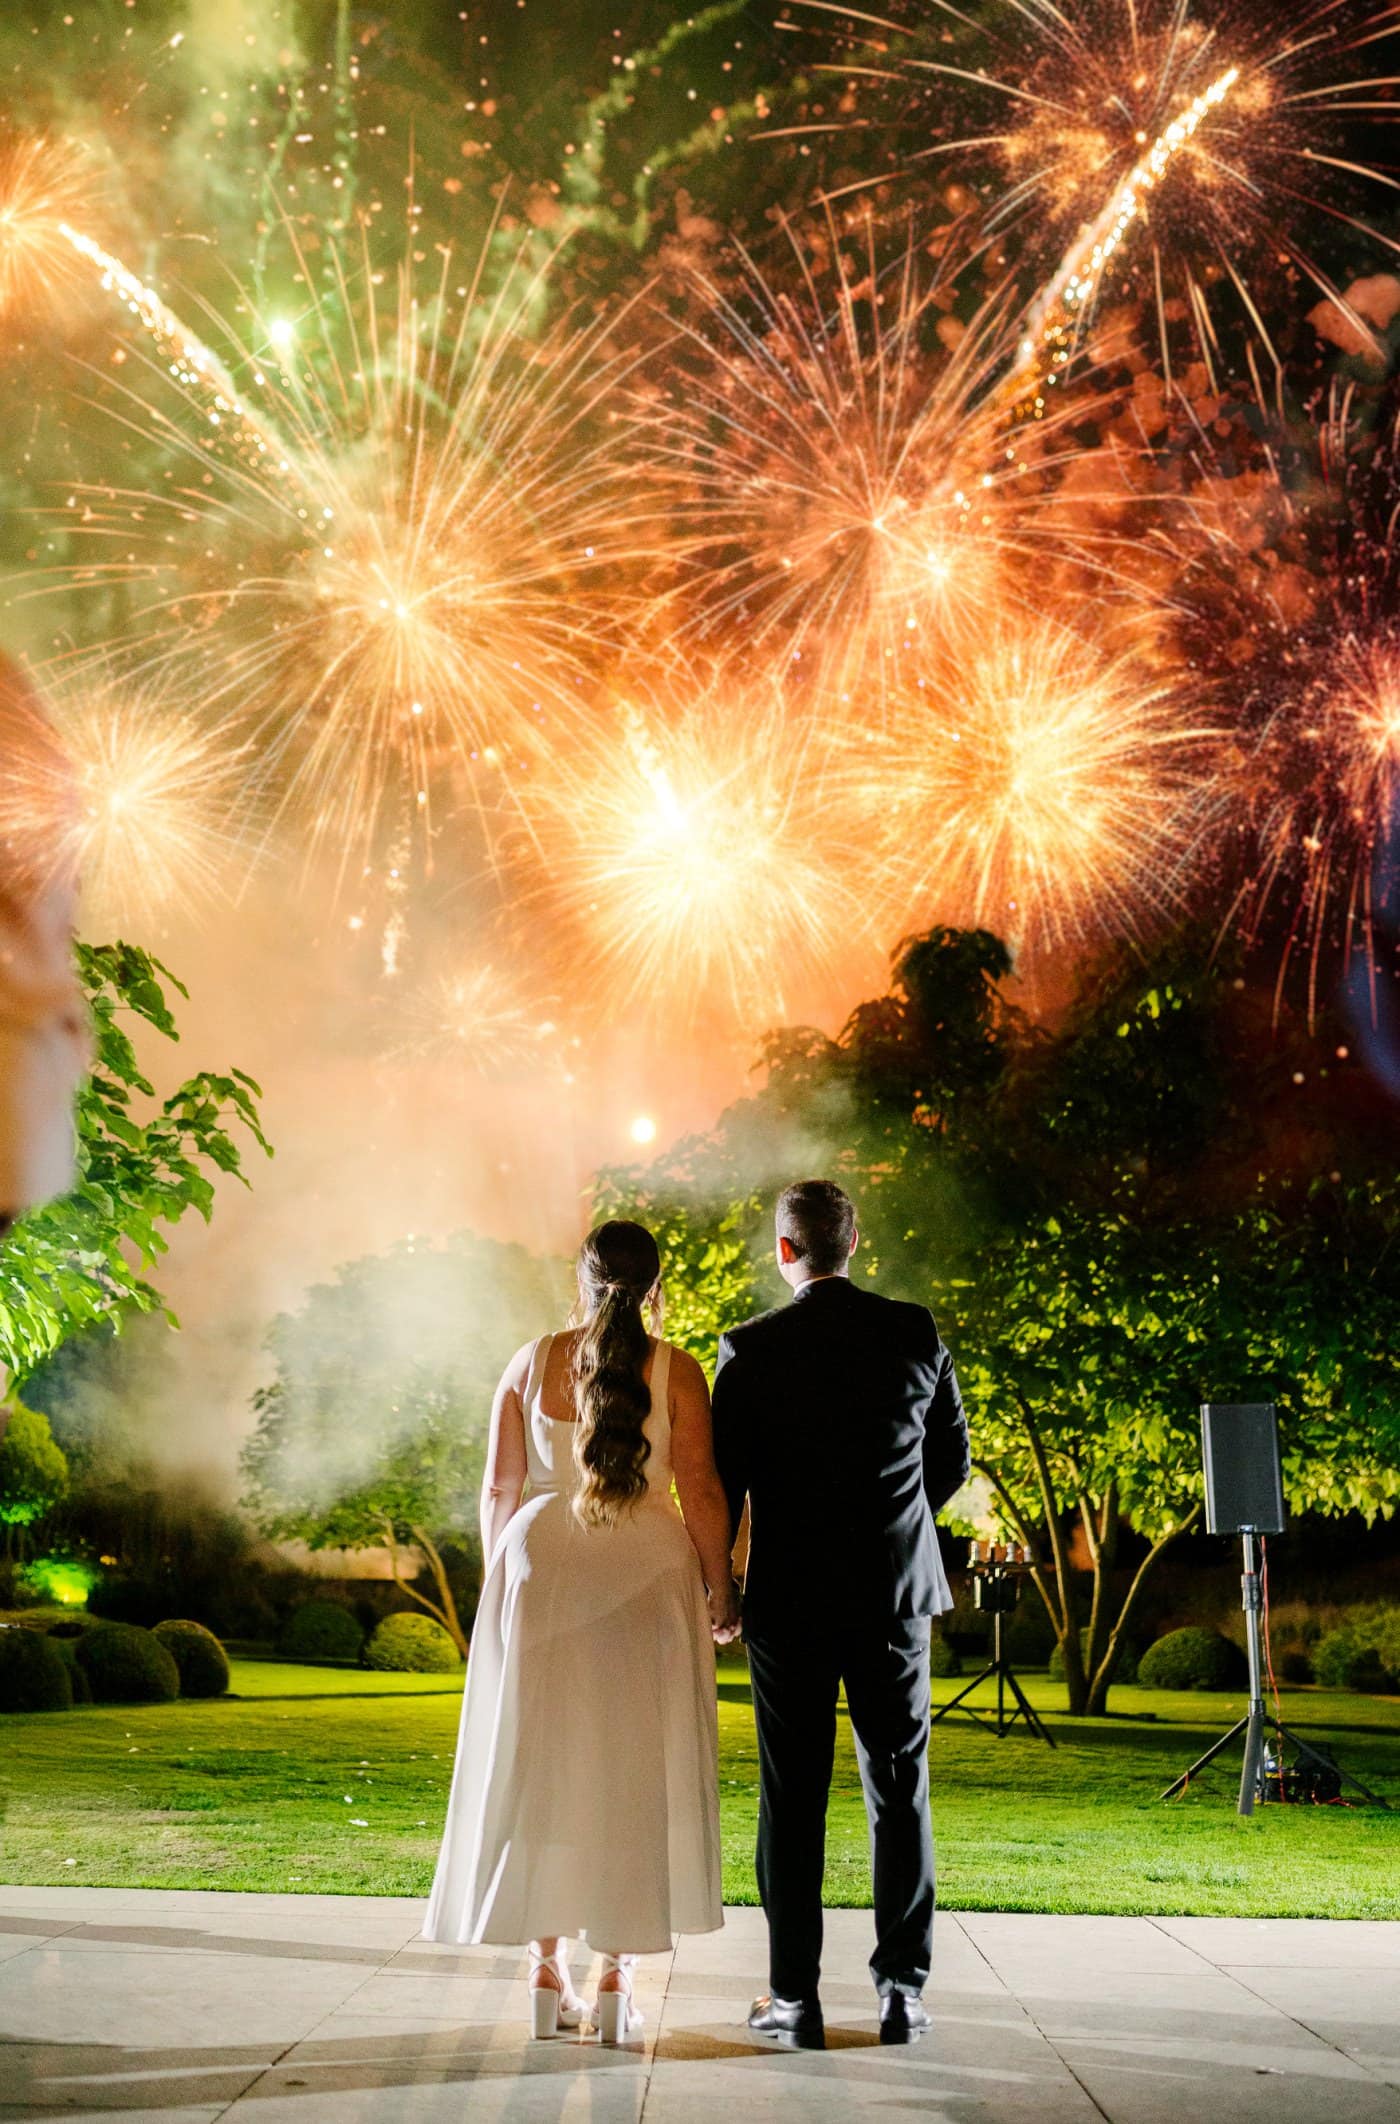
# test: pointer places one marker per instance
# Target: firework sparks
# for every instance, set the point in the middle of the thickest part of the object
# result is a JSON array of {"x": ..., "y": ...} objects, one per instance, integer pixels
[
  {"x": 1048, "y": 344},
  {"x": 1249, "y": 128},
  {"x": 42, "y": 181},
  {"x": 1036, "y": 785},
  {"x": 690, "y": 860},
  {"x": 479, "y": 1020},
  {"x": 399, "y": 603},
  {"x": 832, "y": 452},
  {"x": 144, "y": 794}
]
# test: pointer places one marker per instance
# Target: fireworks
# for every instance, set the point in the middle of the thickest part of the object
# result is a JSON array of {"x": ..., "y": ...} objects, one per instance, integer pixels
[
  {"x": 395, "y": 603},
  {"x": 1036, "y": 786},
  {"x": 900, "y": 594},
  {"x": 143, "y": 794},
  {"x": 478, "y": 1020},
  {"x": 1221, "y": 140},
  {"x": 704, "y": 863},
  {"x": 42, "y": 181},
  {"x": 839, "y": 484}
]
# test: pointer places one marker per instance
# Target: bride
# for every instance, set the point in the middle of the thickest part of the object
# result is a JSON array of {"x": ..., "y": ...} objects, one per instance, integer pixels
[{"x": 585, "y": 1800}]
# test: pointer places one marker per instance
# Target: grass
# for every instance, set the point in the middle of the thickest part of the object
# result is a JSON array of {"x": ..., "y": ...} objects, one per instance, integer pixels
[{"x": 331, "y": 1779}]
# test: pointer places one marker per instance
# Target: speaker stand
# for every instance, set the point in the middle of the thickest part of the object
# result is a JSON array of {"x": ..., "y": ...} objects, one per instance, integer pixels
[
  {"x": 1256, "y": 1718},
  {"x": 999, "y": 1667}
]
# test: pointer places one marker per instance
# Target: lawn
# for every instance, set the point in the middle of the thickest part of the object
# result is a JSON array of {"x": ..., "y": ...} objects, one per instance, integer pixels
[{"x": 330, "y": 1779}]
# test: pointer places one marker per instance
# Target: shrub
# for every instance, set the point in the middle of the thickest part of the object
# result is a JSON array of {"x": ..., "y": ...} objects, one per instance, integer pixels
[
  {"x": 321, "y": 1629},
  {"x": 1343, "y": 1659},
  {"x": 201, "y": 1659},
  {"x": 1387, "y": 1641},
  {"x": 1125, "y": 1667},
  {"x": 1029, "y": 1634},
  {"x": 127, "y": 1665},
  {"x": 33, "y": 1675},
  {"x": 139, "y": 1601},
  {"x": 943, "y": 1660},
  {"x": 412, "y": 1644},
  {"x": 67, "y": 1646},
  {"x": 50, "y": 1622},
  {"x": 1295, "y": 1665},
  {"x": 1192, "y": 1659}
]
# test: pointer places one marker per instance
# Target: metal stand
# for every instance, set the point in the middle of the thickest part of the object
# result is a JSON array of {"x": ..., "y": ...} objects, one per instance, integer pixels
[
  {"x": 1000, "y": 1667},
  {"x": 1257, "y": 1718}
]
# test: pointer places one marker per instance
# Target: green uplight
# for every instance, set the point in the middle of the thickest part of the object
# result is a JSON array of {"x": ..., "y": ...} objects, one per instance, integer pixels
[{"x": 63, "y": 1579}]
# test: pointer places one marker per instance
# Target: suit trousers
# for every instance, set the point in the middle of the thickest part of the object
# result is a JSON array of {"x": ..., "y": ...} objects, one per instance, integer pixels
[{"x": 797, "y": 1668}]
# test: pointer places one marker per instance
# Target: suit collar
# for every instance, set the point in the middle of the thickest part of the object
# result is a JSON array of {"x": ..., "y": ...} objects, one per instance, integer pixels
[{"x": 820, "y": 1288}]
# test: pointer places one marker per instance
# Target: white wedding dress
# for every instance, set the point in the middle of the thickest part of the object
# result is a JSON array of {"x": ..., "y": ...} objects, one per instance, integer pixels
[{"x": 585, "y": 1799}]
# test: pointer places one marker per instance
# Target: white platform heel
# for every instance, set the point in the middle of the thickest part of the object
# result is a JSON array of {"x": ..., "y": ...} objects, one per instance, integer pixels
[
  {"x": 614, "y": 2015},
  {"x": 554, "y": 2005}
]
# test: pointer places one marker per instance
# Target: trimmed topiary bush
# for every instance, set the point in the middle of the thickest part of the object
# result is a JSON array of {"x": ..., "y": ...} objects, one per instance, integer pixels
[
  {"x": 412, "y": 1644},
  {"x": 1125, "y": 1667},
  {"x": 201, "y": 1659},
  {"x": 321, "y": 1629},
  {"x": 1192, "y": 1659},
  {"x": 943, "y": 1660},
  {"x": 68, "y": 1647},
  {"x": 33, "y": 1674},
  {"x": 127, "y": 1665}
]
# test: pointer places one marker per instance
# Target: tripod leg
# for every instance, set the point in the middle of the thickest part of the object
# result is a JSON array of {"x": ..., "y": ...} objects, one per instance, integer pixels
[
  {"x": 1201, "y": 1761},
  {"x": 1253, "y": 1759},
  {"x": 955, "y": 1703},
  {"x": 1032, "y": 1718},
  {"x": 1346, "y": 1777}
]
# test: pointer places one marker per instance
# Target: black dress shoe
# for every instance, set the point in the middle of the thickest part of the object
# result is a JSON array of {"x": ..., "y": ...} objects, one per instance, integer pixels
[
  {"x": 902, "y": 2017},
  {"x": 796, "y": 2023}
]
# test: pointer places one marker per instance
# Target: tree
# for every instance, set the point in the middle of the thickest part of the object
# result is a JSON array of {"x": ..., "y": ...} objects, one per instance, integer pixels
[
  {"x": 84, "y": 1261},
  {"x": 33, "y": 1471},
  {"x": 1113, "y": 1221},
  {"x": 373, "y": 1431},
  {"x": 706, "y": 1262}
]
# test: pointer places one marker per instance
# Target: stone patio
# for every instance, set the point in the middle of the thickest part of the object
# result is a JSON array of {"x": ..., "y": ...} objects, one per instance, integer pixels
[{"x": 327, "y": 2009}]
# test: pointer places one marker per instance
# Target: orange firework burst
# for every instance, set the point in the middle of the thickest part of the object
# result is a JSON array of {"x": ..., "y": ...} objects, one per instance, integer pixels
[
  {"x": 397, "y": 596},
  {"x": 1036, "y": 784},
  {"x": 842, "y": 480},
  {"x": 1166, "y": 148},
  {"x": 144, "y": 794},
  {"x": 702, "y": 860},
  {"x": 479, "y": 1018},
  {"x": 43, "y": 183}
]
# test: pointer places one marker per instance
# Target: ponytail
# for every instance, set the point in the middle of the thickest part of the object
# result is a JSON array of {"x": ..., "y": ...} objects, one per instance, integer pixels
[{"x": 619, "y": 1268}]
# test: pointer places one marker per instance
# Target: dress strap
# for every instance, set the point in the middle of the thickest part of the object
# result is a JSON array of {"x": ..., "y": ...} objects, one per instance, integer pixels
[
  {"x": 661, "y": 1380},
  {"x": 539, "y": 1358}
]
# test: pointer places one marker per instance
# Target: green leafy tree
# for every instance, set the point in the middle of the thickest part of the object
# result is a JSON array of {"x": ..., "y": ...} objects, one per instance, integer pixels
[
  {"x": 33, "y": 1471},
  {"x": 706, "y": 1255},
  {"x": 1112, "y": 1222},
  {"x": 143, "y": 1164},
  {"x": 373, "y": 1431}
]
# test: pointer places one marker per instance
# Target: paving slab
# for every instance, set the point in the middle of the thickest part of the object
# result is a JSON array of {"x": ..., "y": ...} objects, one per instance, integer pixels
[{"x": 321, "y": 2009}]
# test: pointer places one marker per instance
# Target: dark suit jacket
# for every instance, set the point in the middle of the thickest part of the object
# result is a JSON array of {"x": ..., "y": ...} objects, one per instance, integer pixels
[{"x": 839, "y": 1417}]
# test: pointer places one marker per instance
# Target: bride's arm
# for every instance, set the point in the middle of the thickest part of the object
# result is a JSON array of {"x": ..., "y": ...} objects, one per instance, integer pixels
[
  {"x": 506, "y": 1464},
  {"x": 698, "y": 1486}
]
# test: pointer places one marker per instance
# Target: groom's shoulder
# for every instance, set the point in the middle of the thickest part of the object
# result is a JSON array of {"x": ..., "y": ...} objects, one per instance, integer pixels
[{"x": 757, "y": 1327}]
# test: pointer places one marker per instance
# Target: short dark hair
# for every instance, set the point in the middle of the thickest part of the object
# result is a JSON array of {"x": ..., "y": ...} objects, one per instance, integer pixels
[{"x": 818, "y": 1220}]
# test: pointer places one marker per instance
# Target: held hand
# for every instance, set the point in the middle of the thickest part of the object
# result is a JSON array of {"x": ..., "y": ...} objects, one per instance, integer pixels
[{"x": 724, "y": 1613}]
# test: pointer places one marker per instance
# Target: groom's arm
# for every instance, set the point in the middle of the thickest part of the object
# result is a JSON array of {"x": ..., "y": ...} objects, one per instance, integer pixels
[
  {"x": 731, "y": 1432},
  {"x": 947, "y": 1448}
]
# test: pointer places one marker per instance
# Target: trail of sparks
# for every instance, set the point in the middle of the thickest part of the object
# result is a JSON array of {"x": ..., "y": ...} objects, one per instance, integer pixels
[{"x": 1052, "y": 326}]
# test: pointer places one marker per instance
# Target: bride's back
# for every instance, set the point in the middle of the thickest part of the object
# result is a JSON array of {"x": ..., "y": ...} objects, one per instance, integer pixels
[{"x": 551, "y": 1416}]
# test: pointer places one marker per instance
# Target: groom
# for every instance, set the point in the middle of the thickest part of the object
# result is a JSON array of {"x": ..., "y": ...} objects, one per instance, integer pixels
[{"x": 838, "y": 1417}]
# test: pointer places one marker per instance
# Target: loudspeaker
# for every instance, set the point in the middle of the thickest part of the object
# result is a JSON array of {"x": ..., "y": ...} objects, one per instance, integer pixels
[{"x": 1244, "y": 1483}]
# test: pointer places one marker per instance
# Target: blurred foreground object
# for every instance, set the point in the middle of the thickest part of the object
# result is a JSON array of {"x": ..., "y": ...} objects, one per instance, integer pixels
[{"x": 43, "y": 1037}]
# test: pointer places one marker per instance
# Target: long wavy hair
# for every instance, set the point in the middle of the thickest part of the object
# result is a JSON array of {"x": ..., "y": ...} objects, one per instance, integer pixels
[{"x": 619, "y": 1272}]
